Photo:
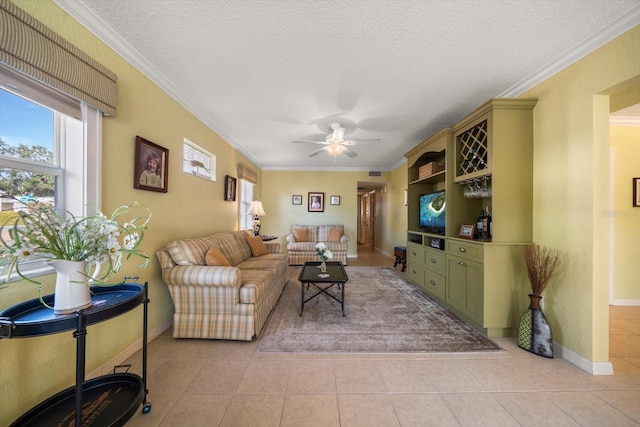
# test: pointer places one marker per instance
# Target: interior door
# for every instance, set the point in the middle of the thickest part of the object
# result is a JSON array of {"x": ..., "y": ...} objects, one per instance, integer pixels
[{"x": 369, "y": 218}]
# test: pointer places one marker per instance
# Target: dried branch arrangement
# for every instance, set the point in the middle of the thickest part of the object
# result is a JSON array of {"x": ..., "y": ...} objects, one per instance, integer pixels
[{"x": 541, "y": 263}]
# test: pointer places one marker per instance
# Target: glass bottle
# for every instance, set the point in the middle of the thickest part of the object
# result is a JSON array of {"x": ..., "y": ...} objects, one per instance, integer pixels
[
  {"x": 479, "y": 226},
  {"x": 486, "y": 223}
]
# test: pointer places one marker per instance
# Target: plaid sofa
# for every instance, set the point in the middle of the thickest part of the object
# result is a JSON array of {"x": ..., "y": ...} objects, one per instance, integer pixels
[
  {"x": 303, "y": 251},
  {"x": 222, "y": 302}
]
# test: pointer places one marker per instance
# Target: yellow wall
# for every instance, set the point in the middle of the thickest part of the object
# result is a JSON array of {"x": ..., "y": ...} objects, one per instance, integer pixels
[
  {"x": 571, "y": 179},
  {"x": 279, "y": 186},
  {"x": 625, "y": 140},
  {"x": 34, "y": 369}
]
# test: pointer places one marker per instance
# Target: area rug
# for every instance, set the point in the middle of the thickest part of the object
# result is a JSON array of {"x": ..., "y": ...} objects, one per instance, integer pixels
[{"x": 384, "y": 314}]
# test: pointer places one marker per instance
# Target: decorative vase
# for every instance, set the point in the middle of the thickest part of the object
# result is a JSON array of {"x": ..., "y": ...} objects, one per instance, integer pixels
[
  {"x": 72, "y": 288},
  {"x": 323, "y": 267},
  {"x": 534, "y": 332}
]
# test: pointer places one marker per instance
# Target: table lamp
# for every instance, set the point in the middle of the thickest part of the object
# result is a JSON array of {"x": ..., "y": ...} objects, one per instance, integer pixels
[{"x": 257, "y": 211}]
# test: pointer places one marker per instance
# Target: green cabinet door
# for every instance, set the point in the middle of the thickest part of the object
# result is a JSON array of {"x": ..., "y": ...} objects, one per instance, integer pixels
[{"x": 465, "y": 288}]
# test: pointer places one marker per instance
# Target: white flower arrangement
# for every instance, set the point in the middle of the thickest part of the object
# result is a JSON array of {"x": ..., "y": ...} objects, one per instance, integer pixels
[
  {"x": 40, "y": 232},
  {"x": 322, "y": 251}
]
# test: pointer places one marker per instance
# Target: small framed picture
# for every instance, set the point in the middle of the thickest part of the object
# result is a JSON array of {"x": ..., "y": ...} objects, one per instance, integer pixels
[
  {"x": 636, "y": 192},
  {"x": 467, "y": 231},
  {"x": 296, "y": 199},
  {"x": 335, "y": 200},
  {"x": 316, "y": 202},
  {"x": 151, "y": 168},
  {"x": 229, "y": 188}
]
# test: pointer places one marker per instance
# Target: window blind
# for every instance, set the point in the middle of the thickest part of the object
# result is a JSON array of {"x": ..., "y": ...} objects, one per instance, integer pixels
[
  {"x": 247, "y": 174},
  {"x": 31, "y": 48}
]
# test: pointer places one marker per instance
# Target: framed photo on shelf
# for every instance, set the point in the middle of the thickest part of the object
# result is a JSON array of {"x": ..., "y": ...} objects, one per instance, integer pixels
[
  {"x": 636, "y": 192},
  {"x": 467, "y": 231},
  {"x": 335, "y": 200},
  {"x": 316, "y": 202},
  {"x": 151, "y": 168},
  {"x": 229, "y": 188},
  {"x": 296, "y": 199}
]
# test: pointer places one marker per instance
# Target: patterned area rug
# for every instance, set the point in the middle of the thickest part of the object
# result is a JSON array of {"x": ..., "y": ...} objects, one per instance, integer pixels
[{"x": 384, "y": 314}]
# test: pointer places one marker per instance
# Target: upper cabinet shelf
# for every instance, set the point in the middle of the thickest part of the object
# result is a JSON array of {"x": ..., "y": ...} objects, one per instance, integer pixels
[{"x": 493, "y": 126}]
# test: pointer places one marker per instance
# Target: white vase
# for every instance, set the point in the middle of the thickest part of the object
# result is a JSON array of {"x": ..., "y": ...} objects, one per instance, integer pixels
[{"x": 72, "y": 288}]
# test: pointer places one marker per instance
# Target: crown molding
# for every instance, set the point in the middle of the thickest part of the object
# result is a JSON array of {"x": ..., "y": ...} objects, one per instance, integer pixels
[
  {"x": 583, "y": 49},
  {"x": 624, "y": 121},
  {"x": 85, "y": 16}
]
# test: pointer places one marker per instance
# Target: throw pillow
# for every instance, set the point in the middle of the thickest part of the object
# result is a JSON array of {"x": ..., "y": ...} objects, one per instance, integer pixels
[
  {"x": 301, "y": 234},
  {"x": 335, "y": 234},
  {"x": 215, "y": 257},
  {"x": 257, "y": 246}
]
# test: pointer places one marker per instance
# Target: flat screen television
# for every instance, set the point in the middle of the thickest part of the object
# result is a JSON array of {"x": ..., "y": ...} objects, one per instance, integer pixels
[{"x": 432, "y": 212}]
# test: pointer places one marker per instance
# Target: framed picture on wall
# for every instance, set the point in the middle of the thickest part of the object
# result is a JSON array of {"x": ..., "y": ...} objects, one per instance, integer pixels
[
  {"x": 636, "y": 192},
  {"x": 296, "y": 199},
  {"x": 335, "y": 200},
  {"x": 151, "y": 168},
  {"x": 229, "y": 188},
  {"x": 316, "y": 202}
]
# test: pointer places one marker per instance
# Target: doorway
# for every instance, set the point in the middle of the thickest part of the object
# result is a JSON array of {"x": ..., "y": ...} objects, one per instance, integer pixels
[
  {"x": 624, "y": 304},
  {"x": 369, "y": 215}
]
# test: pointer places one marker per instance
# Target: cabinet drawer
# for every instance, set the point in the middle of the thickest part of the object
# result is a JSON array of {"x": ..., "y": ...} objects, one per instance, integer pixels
[
  {"x": 435, "y": 261},
  {"x": 435, "y": 284},
  {"x": 472, "y": 251},
  {"x": 415, "y": 254},
  {"x": 415, "y": 274}
]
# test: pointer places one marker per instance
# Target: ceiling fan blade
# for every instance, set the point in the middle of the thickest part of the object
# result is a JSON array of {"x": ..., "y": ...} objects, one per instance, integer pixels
[
  {"x": 349, "y": 152},
  {"x": 309, "y": 142},
  {"x": 315, "y": 153},
  {"x": 357, "y": 141}
]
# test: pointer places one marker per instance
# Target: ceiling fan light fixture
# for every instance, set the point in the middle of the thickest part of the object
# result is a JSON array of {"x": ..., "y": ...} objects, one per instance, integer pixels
[{"x": 335, "y": 149}]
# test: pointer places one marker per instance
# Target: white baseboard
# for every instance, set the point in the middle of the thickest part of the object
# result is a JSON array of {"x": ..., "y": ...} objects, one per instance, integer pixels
[
  {"x": 594, "y": 368},
  {"x": 107, "y": 367},
  {"x": 629, "y": 302}
]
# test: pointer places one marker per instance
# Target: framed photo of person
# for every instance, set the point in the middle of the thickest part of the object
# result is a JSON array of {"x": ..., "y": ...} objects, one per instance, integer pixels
[
  {"x": 316, "y": 202},
  {"x": 296, "y": 199},
  {"x": 230, "y": 188},
  {"x": 151, "y": 168}
]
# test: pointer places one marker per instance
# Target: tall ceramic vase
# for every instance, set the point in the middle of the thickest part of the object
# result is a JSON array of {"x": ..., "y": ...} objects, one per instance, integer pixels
[
  {"x": 534, "y": 332},
  {"x": 72, "y": 289}
]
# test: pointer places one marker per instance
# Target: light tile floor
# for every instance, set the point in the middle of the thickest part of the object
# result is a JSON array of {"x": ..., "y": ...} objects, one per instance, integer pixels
[{"x": 222, "y": 383}]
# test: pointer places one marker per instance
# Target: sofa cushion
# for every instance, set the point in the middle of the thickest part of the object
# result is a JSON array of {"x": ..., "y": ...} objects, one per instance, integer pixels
[
  {"x": 276, "y": 263},
  {"x": 257, "y": 246},
  {"x": 313, "y": 231},
  {"x": 334, "y": 235},
  {"x": 255, "y": 285},
  {"x": 190, "y": 251},
  {"x": 215, "y": 257},
  {"x": 301, "y": 234},
  {"x": 311, "y": 246},
  {"x": 325, "y": 230}
]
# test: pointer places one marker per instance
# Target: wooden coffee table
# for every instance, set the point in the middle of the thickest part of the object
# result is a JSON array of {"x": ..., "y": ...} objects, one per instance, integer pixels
[{"x": 311, "y": 275}]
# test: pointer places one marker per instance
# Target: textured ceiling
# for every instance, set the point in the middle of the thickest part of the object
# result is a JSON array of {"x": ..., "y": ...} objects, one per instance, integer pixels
[{"x": 264, "y": 73}]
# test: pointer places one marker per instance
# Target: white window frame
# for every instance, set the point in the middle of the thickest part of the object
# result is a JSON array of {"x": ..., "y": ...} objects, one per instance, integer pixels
[
  {"x": 197, "y": 161},
  {"x": 245, "y": 195},
  {"x": 78, "y": 166}
]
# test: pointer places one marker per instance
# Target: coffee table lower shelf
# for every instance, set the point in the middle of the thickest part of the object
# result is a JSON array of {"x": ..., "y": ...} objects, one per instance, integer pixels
[{"x": 109, "y": 400}]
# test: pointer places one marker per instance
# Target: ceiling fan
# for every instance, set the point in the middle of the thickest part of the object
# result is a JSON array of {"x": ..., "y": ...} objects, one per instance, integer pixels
[{"x": 335, "y": 144}]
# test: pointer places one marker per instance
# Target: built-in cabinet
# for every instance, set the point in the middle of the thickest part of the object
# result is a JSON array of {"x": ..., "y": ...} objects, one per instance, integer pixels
[{"x": 477, "y": 280}]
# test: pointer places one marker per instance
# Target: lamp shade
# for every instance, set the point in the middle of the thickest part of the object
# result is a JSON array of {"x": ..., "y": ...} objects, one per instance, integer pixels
[{"x": 256, "y": 209}]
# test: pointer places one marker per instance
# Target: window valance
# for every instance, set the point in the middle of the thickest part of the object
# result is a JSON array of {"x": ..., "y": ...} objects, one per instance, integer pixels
[
  {"x": 30, "y": 47},
  {"x": 247, "y": 174}
]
